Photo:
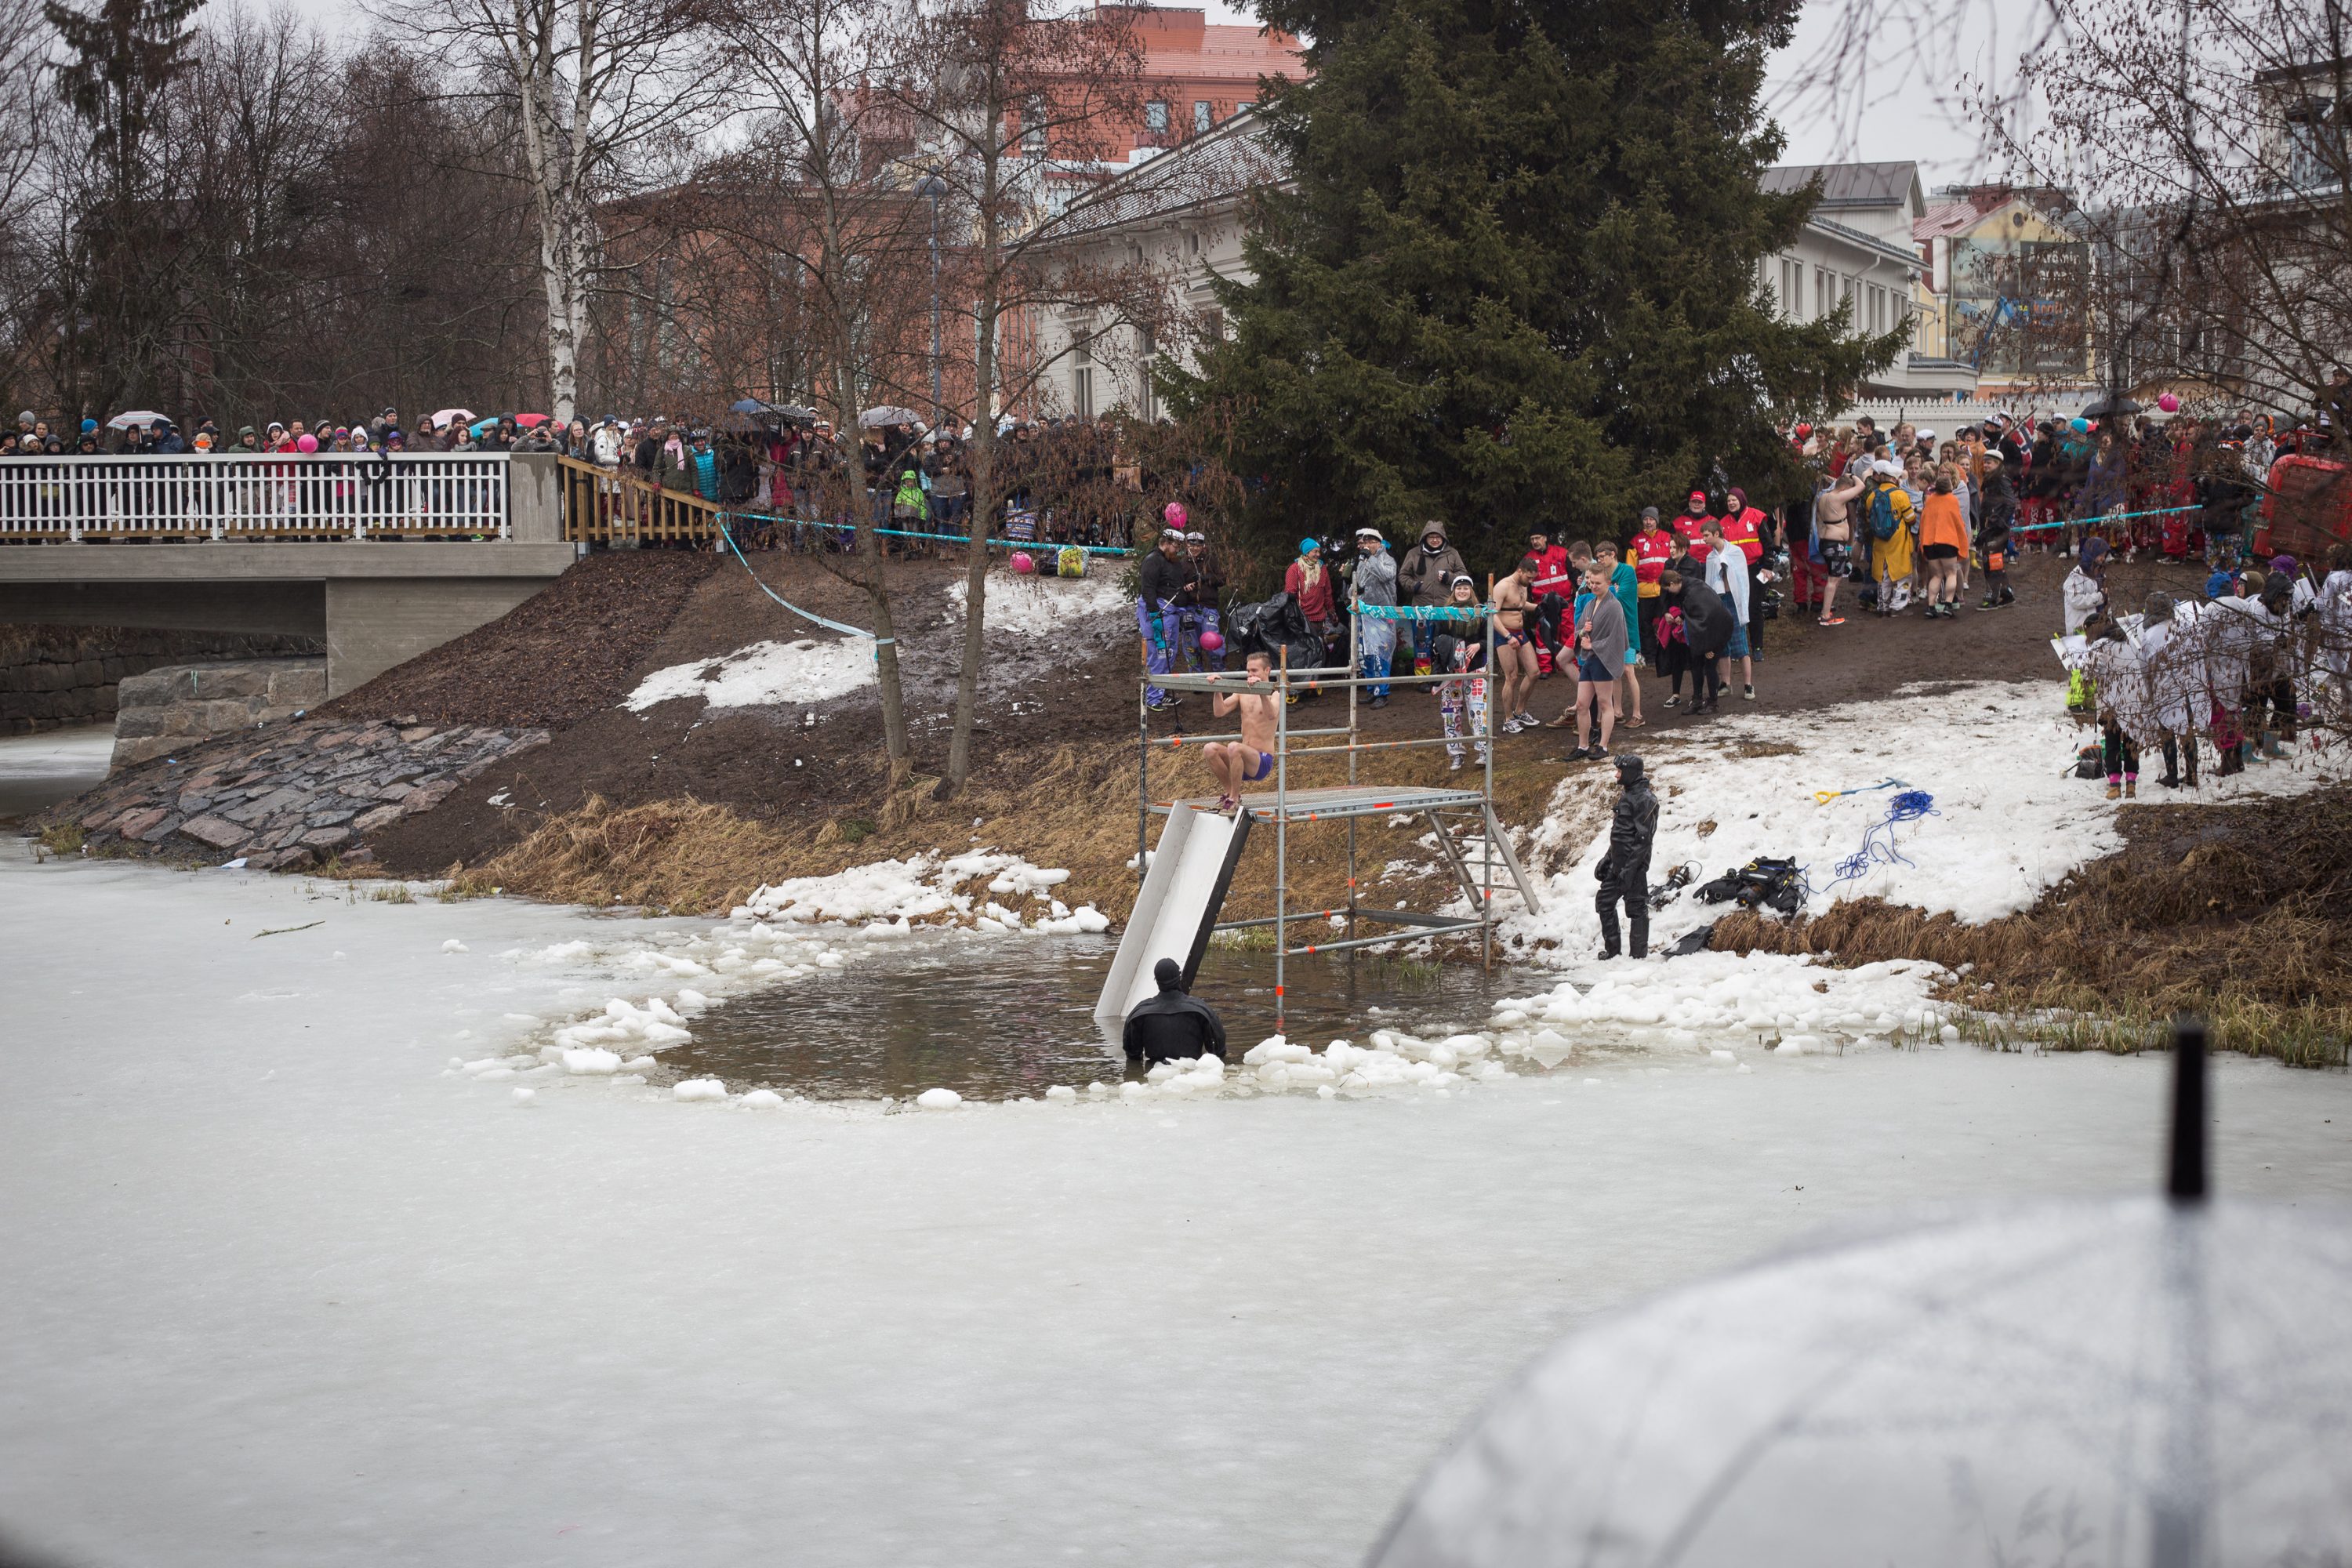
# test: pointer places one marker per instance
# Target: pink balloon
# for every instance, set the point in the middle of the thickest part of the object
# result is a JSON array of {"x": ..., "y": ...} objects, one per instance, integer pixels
[
  {"x": 2168, "y": 402},
  {"x": 307, "y": 443},
  {"x": 1173, "y": 514},
  {"x": 1022, "y": 563},
  {"x": 1212, "y": 643}
]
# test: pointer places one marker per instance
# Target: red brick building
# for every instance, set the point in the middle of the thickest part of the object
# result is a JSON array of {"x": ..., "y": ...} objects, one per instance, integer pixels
[{"x": 1199, "y": 73}]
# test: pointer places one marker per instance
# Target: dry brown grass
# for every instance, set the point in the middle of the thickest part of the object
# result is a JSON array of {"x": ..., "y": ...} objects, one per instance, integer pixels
[
  {"x": 1075, "y": 810},
  {"x": 2233, "y": 912}
]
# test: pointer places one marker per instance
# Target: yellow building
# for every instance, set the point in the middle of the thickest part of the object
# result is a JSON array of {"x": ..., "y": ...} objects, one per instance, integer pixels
[{"x": 2007, "y": 289}]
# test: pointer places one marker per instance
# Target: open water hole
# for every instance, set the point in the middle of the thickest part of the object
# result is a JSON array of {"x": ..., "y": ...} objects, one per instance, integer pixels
[{"x": 999, "y": 1019}]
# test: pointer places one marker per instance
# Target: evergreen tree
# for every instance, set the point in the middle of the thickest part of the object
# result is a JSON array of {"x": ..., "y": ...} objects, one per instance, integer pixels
[{"x": 1516, "y": 283}]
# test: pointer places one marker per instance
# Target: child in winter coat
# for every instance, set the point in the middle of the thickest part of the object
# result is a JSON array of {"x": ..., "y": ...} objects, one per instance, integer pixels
[
  {"x": 1466, "y": 657},
  {"x": 1994, "y": 539}
]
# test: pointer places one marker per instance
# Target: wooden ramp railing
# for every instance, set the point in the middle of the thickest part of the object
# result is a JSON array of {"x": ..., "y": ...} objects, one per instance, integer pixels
[{"x": 608, "y": 506}]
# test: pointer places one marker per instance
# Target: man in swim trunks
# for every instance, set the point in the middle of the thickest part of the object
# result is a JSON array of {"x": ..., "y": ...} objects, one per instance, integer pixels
[
  {"x": 1515, "y": 648},
  {"x": 1249, "y": 759}
]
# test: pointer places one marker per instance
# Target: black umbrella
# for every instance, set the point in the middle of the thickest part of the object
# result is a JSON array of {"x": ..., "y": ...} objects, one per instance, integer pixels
[
  {"x": 2111, "y": 407},
  {"x": 2156, "y": 1381}
]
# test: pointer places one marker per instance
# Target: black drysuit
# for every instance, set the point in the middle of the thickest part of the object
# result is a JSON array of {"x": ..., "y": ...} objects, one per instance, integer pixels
[
  {"x": 1172, "y": 1027},
  {"x": 1624, "y": 869}
]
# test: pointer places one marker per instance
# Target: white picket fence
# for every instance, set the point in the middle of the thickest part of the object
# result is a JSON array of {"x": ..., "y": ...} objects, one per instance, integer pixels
[
  {"x": 1947, "y": 416},
  {"x": 267, "y": 496}
]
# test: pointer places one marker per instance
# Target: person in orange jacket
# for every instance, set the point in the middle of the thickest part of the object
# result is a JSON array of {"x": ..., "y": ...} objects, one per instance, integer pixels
[{"x": 1943, "y": 544}]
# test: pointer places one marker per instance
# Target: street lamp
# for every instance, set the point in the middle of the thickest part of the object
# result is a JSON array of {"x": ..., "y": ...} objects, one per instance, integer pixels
[{"x": 934, "y": 187}]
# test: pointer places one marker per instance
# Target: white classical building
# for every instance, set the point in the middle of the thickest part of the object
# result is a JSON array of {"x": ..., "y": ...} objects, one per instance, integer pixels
[
  {"x": 1173, "y": 220},
  {"x": 1179, "y": 215},
  {"x": 1857, "y": 246}
]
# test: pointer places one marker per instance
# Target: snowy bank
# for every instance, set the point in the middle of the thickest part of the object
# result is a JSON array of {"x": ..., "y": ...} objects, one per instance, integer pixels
[
  {"x": 2010, "y": 821},
  {"x": 977, "y": 891},
  {"x": 766, "y": 674},
  {"x": 1030, "y": 606}
]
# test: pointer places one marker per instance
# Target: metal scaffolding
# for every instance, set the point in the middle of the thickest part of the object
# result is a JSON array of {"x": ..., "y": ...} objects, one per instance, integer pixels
[{"x": 1283, "y": 806}]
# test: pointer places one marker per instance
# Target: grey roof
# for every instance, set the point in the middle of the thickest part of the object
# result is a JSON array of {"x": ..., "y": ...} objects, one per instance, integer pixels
[
  {"x": 1236, "y": 158},
  {"x": 1848, "y": 185},
  {"x": 1861, "y": 241}
]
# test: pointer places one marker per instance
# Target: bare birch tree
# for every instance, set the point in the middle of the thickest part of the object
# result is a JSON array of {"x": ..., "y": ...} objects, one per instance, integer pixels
[{"x": 608, "y": 96}]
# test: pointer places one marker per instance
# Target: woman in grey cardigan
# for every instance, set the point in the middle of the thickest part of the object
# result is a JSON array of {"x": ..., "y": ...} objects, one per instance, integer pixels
[{"x": 1599, "y": 662}]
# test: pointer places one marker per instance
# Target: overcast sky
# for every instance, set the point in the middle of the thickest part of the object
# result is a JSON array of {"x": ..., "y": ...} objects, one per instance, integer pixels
[{"x": 1908, "y": 104}]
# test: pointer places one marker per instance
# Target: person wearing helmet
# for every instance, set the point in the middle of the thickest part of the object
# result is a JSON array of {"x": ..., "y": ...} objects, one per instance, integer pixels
[
  {"x": 1625, "y": 868},
  {"x": 1374, "y": 583},
  {"x": 1171, "y": 1025}
]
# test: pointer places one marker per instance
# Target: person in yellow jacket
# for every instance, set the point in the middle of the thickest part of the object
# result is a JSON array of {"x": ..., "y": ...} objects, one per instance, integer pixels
[{"x": 1890, "y": 561}]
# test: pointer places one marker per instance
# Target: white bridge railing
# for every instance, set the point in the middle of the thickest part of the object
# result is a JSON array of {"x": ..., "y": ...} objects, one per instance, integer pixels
[{"x": 291, "y": 496}]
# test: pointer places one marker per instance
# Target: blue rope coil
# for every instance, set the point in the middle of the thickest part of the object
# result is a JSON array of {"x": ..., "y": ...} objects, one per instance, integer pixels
[{"x": 1878, "y": 847}]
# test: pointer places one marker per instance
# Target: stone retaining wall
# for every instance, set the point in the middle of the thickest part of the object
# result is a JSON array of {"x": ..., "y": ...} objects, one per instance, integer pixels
[
  {"x": 168, "y": 710},
  {"x": 294, "y": 794},
  {"x": 55, "y": 675}
]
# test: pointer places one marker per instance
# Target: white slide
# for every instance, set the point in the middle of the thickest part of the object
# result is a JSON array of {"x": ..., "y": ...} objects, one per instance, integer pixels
[{"x": 1174, "y": 913}]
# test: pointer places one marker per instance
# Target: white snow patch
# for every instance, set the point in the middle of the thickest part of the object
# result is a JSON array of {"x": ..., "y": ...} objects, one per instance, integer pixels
[
  {"x": 765, "y": 674},
  {"x": 1034, "y": 606},
  {"x": 2011, "y": 821},
  {"x": 763, "y": 1100},
  {"x": 454, "y": 945},
  {"x": 890, "y": 895}
]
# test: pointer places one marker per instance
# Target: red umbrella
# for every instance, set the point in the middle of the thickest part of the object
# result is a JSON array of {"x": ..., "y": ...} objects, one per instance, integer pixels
[{"x": 527, "y": 420}]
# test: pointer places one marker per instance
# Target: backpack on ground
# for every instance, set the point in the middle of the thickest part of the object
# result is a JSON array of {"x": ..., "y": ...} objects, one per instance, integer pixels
[
  {"x": 1766, "y": 881},
  {"x": 2090, "y": 763},
  {"x": 1071, "y": 561}
]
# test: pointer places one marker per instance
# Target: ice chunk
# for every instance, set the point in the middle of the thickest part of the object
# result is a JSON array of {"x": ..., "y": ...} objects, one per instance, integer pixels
[
  {"x": 939, "y": 1100},
  {"x": 522, "y": 1096},
  {"x": 1723, "y": 1056},
  {"x": 591, "y": 1061},
  {"x": 692, "y": 1000},
  {"x": 454, "y": 945},
  {"x": 1548, "y": 1047},
  {"x": 698, "y": 1088},
  {"x": 763, "y": 1100},
  {"x": 1061, "y": 1091}
]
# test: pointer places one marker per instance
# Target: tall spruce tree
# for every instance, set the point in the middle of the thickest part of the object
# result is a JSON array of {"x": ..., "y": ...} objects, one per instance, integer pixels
[{"x": 1516, "y": 282}]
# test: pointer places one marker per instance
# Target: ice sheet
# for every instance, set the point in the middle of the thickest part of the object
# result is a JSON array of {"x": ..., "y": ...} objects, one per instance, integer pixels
[{"x": 278, "y": 1293}]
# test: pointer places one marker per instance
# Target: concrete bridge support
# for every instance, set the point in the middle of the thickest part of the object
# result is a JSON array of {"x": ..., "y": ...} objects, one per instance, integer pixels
[{"x": 376, "y": 603}]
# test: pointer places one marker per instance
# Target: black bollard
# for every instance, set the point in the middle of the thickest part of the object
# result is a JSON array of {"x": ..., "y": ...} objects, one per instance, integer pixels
[{"x": 2186, "y": 1183}]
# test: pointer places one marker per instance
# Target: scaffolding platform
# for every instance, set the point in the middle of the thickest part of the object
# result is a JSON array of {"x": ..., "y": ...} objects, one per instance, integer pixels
[
  {"x": 1481, "y": 863},
  {"x": 1334, "y": 803}
]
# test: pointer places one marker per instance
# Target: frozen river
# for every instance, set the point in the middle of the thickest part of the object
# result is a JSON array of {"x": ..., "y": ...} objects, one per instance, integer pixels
[
  {"x": 277, "y": 1291},
  {"x": 37, "y": 771}
]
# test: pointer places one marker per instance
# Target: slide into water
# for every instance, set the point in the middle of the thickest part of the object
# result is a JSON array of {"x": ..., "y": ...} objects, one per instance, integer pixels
[{"x": 1182, "y": 892}]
